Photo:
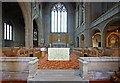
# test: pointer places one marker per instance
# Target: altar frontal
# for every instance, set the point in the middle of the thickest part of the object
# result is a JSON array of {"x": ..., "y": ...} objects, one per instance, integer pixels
[{"x": 58, "y": 53}]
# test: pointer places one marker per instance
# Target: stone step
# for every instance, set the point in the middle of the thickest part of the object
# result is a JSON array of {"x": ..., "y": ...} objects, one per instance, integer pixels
[{"x": 57, "y": 75}]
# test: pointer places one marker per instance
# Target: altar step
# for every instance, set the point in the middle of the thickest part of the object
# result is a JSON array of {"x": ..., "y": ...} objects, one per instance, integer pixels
[{"x": 57, "y": 76}]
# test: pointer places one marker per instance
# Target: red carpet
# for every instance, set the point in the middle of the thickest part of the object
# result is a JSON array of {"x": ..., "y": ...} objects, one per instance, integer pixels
[
  {"x": 71, "y": 64},
  {"x": 13, "y": 81}
]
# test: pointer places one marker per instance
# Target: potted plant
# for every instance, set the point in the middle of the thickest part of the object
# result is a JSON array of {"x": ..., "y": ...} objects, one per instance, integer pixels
[{"x": 71, "y": 43}]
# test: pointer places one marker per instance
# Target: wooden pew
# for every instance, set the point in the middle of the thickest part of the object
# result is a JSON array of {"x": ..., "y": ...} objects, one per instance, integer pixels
[
  {"x": 116, "y": 52},
  {"x": 79, "y": 52},
  {"x": 91, "y": 52},
  {"x": 106, "y": 52},
  {"x": 95, "y": 51},
  {"x": 82, "y": 52},
  {"x": 87, "y": 52},
  {"x": 36, "y": 53}
]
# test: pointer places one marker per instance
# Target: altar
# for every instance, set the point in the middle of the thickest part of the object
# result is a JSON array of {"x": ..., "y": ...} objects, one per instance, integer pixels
[{"x": 58, "y": 53}]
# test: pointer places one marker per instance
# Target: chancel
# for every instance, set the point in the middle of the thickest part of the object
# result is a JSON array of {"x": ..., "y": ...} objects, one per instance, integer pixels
[{"x": 59, "y": 41}]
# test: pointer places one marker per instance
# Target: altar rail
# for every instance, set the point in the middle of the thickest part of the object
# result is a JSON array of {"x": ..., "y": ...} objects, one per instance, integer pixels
[
  {"x": 17, "y": 66},
  {"x": 88, "y": 64}
]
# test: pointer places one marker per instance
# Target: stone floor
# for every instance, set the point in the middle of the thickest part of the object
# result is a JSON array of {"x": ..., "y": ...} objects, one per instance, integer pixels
[
  {"x": 5, "y": 75},
  {"x": 100, "y": 75},
  {"x": 57, "y": 75},
  {"x": 69, "y": 75},
  {"x": 53, "y": 76}
]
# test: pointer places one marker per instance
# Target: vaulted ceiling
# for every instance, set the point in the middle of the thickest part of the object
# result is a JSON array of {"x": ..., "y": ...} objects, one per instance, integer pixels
[{"x": 12, "y": 9}]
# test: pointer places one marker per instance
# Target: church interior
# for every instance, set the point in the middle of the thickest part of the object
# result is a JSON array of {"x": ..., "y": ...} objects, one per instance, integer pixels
[{"x": 59, "y": 41}]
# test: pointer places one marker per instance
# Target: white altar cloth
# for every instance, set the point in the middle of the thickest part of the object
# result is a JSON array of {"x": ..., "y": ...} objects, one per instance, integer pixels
[{"x": 58, "y": 53}]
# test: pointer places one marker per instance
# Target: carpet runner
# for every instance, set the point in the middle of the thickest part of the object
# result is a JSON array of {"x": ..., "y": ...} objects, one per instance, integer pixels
[{"x": 44, "y": 63}]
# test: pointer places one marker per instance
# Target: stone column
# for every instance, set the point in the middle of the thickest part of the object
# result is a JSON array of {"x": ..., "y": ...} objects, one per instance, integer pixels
[
  {"x": 103, "y": 39},
  {"x": 1, "y": 28},
  {"x": 40, "y": 33},
  {"x": 0, "y": 35},
  {"x": 28, "y": 36},
  {"x": 80, "y": 41},
  {"x": 80, "y": 13},
  {"x": 76, "y": 20},
  {"x": 28, "y": 23},
  {"x": 88, "y": 38},
  {"x": 41, "y": 37}
]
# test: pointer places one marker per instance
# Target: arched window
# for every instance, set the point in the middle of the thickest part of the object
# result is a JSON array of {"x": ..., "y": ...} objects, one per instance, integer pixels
[{"x": 59, "y": 18}]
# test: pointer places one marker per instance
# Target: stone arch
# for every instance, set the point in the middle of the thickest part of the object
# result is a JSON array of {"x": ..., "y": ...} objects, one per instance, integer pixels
[
  {"x": 95, "y": 30},
  {"x": 40, "y": 30},
  {"x": 96, "y": 38},
  {"x": 35, "y": 33},
  {"x": 108, "y": 23},
  {"x": 107, "y": 29},
  {"x": 28, "y": 24},
  {"x": 12, "y": 15}
]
